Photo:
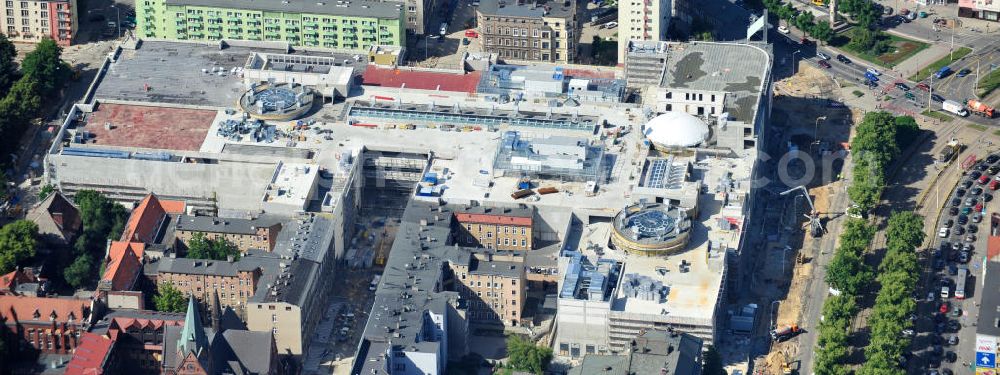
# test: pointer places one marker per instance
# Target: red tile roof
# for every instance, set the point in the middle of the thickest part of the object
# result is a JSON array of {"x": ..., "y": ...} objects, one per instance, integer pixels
[
  {"x": 122, "y": 270},
  {"x": 493, "y": 219},
  {"x": 143, "y": 222},
  {"x": 9, "y": 281},
  {"x": 121, "y": 323},
  {"x": 120, "y": 247},
  {"x": 21, "y": 308},
  {"x": 421, "y": 80},
  {"x": 90, "y": 354}
]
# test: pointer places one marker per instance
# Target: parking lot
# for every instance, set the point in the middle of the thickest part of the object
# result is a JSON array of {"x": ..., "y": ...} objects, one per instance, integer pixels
[{"x": 944, "y": 326}]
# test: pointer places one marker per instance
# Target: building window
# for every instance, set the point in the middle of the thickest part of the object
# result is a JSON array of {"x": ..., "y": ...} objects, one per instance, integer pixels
[{"x": 524, "y": 243}]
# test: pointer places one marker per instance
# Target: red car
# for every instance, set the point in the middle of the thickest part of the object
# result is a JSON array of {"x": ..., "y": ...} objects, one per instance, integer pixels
[
  {"x": 923, "y": 86},
  {"x": 984, "y": 179},
  {"x": 944, "y": 307},
  {"x": 979, "y": 207},
  {"x": 470, "y": 33},
  {"x": 994, "y": 184},
  {"x": 823, "y": 64}
]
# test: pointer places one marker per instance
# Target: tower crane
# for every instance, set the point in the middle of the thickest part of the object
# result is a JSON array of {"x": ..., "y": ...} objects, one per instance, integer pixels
[{"x": 815, "y": 226}]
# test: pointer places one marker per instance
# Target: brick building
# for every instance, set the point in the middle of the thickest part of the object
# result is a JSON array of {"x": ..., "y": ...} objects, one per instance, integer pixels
[
  {"x": 495, "y": 227},
  {"x": 50, "y": 325},
  {"x": 494, "y": 285},
  {"x": 545, "y": 31},
  {"x": 235, "y": 282},
  {"x": 31, "y": 21},
  {"x": 246, "y": 234}
]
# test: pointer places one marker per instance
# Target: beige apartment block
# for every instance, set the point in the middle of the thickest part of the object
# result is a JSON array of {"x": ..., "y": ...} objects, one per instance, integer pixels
[{"x": 32, "y": 21}]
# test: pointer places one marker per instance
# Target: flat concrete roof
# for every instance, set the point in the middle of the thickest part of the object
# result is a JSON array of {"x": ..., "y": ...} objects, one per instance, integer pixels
[
  {"x": 145, "y": 126},
  {"x": 528, "y": 9},
  {"x": 737, "y": 69},
  {"x": 353, "y": 8}
]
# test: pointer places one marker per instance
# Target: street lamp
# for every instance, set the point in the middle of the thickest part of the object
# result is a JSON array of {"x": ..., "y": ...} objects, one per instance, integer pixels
[
  {"x": 816, "y": 129},
  {"x": 118, "y": 18},
  {"x": 772, "y": 312}
]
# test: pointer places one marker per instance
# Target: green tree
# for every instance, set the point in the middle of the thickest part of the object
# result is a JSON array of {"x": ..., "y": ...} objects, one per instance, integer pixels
[
  {"x": 822, "y": 32},
  {"x": 713, "y": 362},
  {"x": 907, "y": 131},
  {"x": 200, "y": 247},
  {"x": 17, "y": 244},
  {"x": 79, "y": 273},
  {"x": 523, "y": 355},
  {"x": 8, "y": 68},
  {"x": 848, "y": 273},
  {"x": 45, "y": 191},
  {"x": 44, "y": 66},
  {"x": 170, "y": 299}
]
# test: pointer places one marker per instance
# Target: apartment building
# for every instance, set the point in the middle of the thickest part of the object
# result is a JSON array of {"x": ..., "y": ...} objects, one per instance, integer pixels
[
  {"x": 418, "y": 17},
  {"x": 353, "y": 25},
  {"x": 245, "y": 234},
  {"x": 500, "y": 228},
  {"x": 641, "y": 20},
  {"x": 494, "y": 285},
  {"x": 235, "y": 282},
  {"x": 980, "y": 9},
  {"x": 50, "y": 325},
  {"x": 545, "y": 31},
  {"x": 31, "y": 21}
]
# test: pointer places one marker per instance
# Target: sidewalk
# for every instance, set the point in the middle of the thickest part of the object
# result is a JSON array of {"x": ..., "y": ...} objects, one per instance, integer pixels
[{"x": 912, "y": 65}]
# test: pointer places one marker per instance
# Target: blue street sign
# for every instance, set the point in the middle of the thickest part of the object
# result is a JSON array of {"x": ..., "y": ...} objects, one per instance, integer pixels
[{"x": 984, "y": 359}]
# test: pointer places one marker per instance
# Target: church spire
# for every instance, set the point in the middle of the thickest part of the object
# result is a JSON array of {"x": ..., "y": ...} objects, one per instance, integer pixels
[{"x": 193, "y": 337}]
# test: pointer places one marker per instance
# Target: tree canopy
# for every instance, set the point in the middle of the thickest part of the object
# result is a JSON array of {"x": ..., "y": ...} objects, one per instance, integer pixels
[
  {"x": 8, "y": 68},
  {"x": 169, "y": 299},
  {"x": 103, "y": 220},
  {"x": 17, "y": 244},
  {"x": 523, "y": 355},
  {"x": 78, "y": 274},
  {"x": 713, "y": 362},
  {"x": 45, "y": 66},
  {"x": 42, "y": 75},
  {"x": 200, "y": 247}
]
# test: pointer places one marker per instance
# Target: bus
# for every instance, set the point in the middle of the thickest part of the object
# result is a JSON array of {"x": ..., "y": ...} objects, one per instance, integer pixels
[{"x": 963, "y": 273}]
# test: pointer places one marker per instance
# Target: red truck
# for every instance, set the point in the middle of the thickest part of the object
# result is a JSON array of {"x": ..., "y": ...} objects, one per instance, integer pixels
[{"x": 785, "y": 333}]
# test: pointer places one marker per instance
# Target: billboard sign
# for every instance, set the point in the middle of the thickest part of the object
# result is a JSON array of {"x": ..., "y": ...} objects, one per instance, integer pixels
[
  {"x": 986, "y": 344},
  {"x": 986, "y": 360}
]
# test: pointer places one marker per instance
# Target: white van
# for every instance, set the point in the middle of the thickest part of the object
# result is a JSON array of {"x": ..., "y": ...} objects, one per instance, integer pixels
[{"x": 945, "y": 292}]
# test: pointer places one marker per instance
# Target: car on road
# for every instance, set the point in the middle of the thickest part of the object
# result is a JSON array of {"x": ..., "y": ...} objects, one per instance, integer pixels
[
  {"x": 923, "y": 86},
  {"x": 937, "y": 98},
  {"x": 963, "y": 72},
  {"x": 843, "y": 59},
  {"x": 822, "y": 55},
  {"x": 873, "y": 72},
  {"x": 910, "y": 96},
  {"x": 902, "y": 86},
  {"x": 823, "y": 64},
  {"x": 783, "y": 29}
]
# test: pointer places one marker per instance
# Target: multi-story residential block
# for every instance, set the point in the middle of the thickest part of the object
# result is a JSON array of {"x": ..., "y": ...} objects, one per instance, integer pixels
[
  {"x": 31, "y": 21},
  {"x": 493, "y": 285},
  {"x": 642, "y": 20},
  {"x": 500, "y": 228},
  {"x": 418, "y": 17},
  {"x": 50, "y": 325},
  {"x": 544, "y": 31},
  {"x": 355, "y": 25},
  {"x": 982, "y": 9},
  {"x": 234, "y": 281},
  {"x": 246, "y": 234}
]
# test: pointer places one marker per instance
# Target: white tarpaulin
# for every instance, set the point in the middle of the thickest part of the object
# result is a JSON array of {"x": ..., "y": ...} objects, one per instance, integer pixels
[{"x": 756, "y": 26}]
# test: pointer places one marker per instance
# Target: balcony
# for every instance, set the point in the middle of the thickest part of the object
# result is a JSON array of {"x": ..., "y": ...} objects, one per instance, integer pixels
[{"x": 235, "y": 30}]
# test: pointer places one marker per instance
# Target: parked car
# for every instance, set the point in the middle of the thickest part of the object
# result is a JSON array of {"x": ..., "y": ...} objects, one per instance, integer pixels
[
  {"x": 993, "y": 158},
  {"x": 937, "y": 98},
  {"x": 843, "y": 59},
  {"x": 962, "y": 219},
  {"x": 963, "y": 72},
  {"x": 943, "y": 232},
  {"x": 823, "y": 64},
  {"x": 959, "y": 192},
  {"x": 923, "y": 86},
  {"x": 783, "y": 29},
  {"x": 902, "y": 86},
  {"x": 948, "y": 224},
  {"x": 976, "y": 191}
]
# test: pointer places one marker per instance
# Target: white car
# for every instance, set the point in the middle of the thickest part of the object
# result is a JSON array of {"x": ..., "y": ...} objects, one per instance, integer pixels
[
  {"x": 943, "y": 232},
  {"x": 873, "y": 71},
  {"x": 611, "y": 25},
  {"x": 783, "y": 29}
]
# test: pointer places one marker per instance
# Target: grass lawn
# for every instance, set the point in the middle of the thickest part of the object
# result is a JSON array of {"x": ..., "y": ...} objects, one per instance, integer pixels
[
  {"x": 989, "y": 83},
  {"x": 996, "y": 132},
  {"x": 937, "y": 65},
  {"x": 981, "y": 128},
  {"x": 938, "y": 115},
  {"x": 902, "y": 49}
]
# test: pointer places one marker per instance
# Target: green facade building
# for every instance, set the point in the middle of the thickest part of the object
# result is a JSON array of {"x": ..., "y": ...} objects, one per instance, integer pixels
[{"x": 335, "y": 24}]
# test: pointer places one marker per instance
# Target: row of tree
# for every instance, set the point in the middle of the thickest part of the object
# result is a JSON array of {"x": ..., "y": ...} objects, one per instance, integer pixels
[
  {"x": 898, "y": 276},
  {"x": 804, "y": 21},
  {"x": 877, "y": 142},
  {"x": 200, "y": 247},
  {"x": 103, "y": 220},
  {"x": 848, "y": 274},
  {"x": 42, "y": 74}
]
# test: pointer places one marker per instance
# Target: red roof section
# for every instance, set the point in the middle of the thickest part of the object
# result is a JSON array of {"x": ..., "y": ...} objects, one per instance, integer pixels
[
  {"x": 90, "y": 354},
  {"x": 420, "y": 80},
  {"x": 587, "y": 73},
  {"x": 22, "y": 308},
  {"x": 19, "y": 276},
  {"x": 120, "y": 323},
  {"x": 122, "y": 270},
  {"x": 142, "y": 224},
  {"x": 118, "y": 248},
  {"x": 493, "y": 219}
]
